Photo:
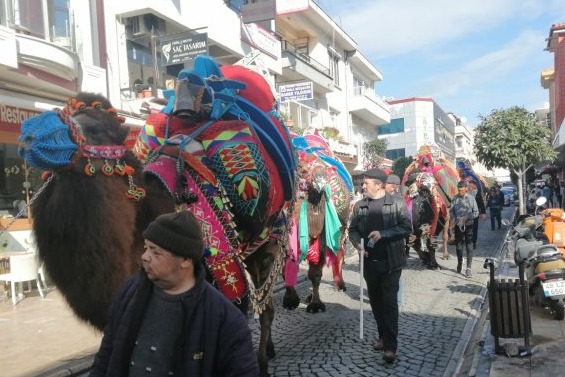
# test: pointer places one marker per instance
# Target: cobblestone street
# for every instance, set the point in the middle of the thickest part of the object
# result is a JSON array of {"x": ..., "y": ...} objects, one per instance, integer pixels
[{"x": 438, "y": 312}]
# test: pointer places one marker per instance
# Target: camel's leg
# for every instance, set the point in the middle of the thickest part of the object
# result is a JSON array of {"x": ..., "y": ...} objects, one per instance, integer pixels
[
  {"x": 421, "y": 253},
  {"x": 337, "y": 269},
  {"x": 432, "y": 262},
  {"x": 445, "y": 239},
  {"x": 266, "y": 347},
  {"x": 291, "y": 300},
  {"x": 315, "y": 276},
  {"x": 259, "y": 265}
]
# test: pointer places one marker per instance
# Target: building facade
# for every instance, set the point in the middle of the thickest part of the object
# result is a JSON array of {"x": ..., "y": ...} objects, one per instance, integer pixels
[
  {"x": 48, "y": 54},
  {"x": 415, "y": 122},
  {"x": 323, "y": 81},
  {"x": 130, "y": 51}
]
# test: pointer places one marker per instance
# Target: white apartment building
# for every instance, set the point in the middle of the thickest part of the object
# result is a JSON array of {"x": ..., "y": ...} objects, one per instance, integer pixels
[
  {"x": 415, "y": 122},
  {"x": 296, "y": 42}
]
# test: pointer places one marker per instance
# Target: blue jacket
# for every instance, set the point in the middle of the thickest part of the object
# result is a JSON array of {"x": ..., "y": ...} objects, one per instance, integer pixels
[
  {"x": 218, "y": 340},
  {"x": 397, "y": 225}
]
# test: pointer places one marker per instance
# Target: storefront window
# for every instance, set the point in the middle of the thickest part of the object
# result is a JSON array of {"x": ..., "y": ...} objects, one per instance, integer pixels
[{"x": 17, "y": 181}]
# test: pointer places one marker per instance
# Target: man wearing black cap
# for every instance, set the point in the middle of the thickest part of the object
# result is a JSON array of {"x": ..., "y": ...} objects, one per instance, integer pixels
[
  {"x": 382, "y": 221},
  {"x": 392, "y": 185},
  {"x": 168, "y": 320},
  {"x": 462, "y": 214}
]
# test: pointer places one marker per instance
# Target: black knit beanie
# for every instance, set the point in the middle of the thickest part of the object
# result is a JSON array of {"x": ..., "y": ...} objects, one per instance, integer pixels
[{"x": 178, "y": 233}]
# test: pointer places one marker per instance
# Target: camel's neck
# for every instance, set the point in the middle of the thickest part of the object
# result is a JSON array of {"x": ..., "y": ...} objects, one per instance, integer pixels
[{"x": 110, "y": 152}]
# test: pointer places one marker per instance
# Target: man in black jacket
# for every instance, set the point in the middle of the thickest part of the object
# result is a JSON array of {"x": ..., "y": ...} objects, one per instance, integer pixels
[
  {"x": 474, "y": 191},
  {"x": 168, "y": 320},
  {"x": 382, "y": 221}
]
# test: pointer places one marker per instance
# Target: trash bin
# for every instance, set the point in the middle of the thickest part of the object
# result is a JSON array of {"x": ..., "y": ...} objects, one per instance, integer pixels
[{"x": 509, "y": 307}]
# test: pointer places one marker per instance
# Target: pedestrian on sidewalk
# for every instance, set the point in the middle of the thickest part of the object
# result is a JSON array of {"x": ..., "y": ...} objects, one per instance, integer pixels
[
  {"x": 392, "y": 186},
  {"x": 473, "y": 191},
  {"x": 168, "y": 320},
  {"x": 462, "y": 213},
  {"x": 495, "y": 202},
  {"x": 382, "y": 221},
  {"x": 562, "y": 193}
]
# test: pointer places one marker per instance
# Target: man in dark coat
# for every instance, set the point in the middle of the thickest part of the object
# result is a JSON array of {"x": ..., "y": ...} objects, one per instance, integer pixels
[
  {"x": 168, "y": 320},
  {"x": 383, "y": 222},
  {"x": 462, "y": 213},
  {"x": 474, "y": 191}
]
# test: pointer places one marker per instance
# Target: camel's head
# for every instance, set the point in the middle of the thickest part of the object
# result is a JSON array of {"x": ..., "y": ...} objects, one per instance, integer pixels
[{"x": 52, "y": 139}]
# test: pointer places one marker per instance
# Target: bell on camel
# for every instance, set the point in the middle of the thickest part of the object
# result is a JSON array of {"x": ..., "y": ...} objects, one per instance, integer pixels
[{"x": 186, "y": 103}]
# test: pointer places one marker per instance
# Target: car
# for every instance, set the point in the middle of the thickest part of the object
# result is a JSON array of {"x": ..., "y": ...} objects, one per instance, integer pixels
[{"x": 510, "y": 195}]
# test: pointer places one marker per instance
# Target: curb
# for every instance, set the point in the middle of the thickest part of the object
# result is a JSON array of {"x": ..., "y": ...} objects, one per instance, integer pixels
[
  {"x": 474, "y": 318},
  {"x": 77, "y": 366}
]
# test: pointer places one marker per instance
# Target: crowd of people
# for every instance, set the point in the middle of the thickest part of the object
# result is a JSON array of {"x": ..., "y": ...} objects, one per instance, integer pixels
[{"x": 553, "y": 192}]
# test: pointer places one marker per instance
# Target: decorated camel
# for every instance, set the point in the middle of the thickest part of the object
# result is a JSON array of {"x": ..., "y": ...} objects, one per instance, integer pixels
[
  {"x": 321, "y": 212},
  {"x": 467, "y": 173},
  {"x": 212, "y": 151},
  {"x": 432, "y": 183}
]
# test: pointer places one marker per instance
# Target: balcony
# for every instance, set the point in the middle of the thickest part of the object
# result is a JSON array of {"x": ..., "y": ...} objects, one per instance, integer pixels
[
  {"x": 365, "y": 104},
  {"x": 299, "y": 66},
  {"x": 346, "y": 152}
]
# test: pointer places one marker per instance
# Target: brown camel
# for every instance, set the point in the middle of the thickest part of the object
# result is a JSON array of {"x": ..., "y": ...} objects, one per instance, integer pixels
[{"x": 97, "y": 200}]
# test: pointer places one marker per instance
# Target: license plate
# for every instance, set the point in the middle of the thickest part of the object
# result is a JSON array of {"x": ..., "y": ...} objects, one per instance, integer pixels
[{"x": 553, "y": 288}]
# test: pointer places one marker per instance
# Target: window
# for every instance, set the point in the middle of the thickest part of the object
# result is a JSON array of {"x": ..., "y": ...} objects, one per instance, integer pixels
[
  {"x": 13, "y": 175},
  {"x": 395, "y": 126},
  {"x": 59, "y": 18},
  {"x": 393, "y": 154},
  {"x": 28, "y": 15},
  {"x": 334, "y": 68},
  {"x": 358, "y": 86}
]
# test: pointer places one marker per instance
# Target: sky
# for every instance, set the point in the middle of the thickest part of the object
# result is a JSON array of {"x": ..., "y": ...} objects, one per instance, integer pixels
[{"x": 470, "y": 56}]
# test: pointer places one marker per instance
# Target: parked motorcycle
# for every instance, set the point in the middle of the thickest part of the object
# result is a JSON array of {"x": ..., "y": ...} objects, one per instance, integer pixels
[
  {"x": 554, "y": 227},
  {"x": 543, "y": 264}
]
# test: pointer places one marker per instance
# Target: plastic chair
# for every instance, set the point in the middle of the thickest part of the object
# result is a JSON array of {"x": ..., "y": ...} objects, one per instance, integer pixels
[{"x": 22, "y": 268}]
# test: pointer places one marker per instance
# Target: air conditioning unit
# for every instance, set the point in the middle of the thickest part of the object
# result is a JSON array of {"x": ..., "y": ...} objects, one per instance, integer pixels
[{"x": 137, "y": 26}]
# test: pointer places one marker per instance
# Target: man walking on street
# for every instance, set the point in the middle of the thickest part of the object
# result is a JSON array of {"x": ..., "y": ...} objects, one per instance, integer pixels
[
  {"x": 473, "y": 191},
  {"x": 392, "y": 185},
  {"x": 463, "y": 211},
  {"x": 495, "y": 202},
  {"x": 381, "y": 220}
]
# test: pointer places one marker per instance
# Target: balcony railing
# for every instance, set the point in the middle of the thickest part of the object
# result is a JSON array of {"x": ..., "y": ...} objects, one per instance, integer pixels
[{"x": 301, "y": 52}]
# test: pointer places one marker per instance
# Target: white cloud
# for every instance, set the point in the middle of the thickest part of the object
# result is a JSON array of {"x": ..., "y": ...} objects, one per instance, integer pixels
[
  {"x": 480, "y": 71},
  {"x": 386, "y": 28}
]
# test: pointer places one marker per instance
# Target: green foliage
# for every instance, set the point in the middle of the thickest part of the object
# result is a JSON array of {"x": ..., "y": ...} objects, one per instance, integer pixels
[
  {"x": 400, "y": 164},
  {"x": 373, "y": 152},
  {"x": 331, "y": 133},
  {"x": 511, "y": 139}
]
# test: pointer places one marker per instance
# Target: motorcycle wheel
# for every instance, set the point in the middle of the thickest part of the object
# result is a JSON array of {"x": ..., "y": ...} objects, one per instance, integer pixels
[{"x": 558, "y": 311}]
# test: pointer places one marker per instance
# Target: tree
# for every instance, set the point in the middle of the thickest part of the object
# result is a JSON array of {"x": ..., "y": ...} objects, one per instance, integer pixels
[
  {"x": 400, "y": 164},
  {"x": 512, "y": 139},
  {"x": 374, "y": 152}
]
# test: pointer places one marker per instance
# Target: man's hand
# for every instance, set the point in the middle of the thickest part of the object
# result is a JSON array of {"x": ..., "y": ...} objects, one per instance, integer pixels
[
  {"x": 483, "y": 216},
  {"x": 375, "y": 235}
]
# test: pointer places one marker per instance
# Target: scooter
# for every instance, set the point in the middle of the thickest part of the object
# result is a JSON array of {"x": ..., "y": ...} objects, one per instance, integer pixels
[
  {"x": 554, "y": 227},
  {"x": 543, "y": 264}
]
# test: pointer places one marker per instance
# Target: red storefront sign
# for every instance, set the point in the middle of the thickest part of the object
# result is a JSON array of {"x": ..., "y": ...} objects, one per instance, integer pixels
[{"x": 11, "y": 117}]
